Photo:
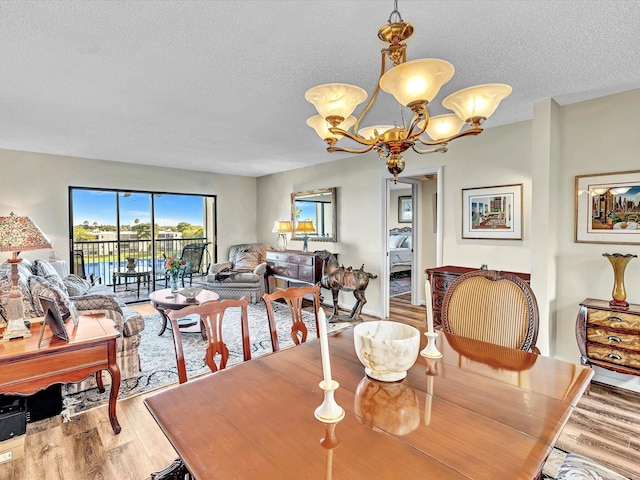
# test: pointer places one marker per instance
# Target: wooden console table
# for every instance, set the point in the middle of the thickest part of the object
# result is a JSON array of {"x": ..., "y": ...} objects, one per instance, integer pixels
[
  {"x": 609, "y": 337},
  {"x": 26, "y": 369},
  {"x": 295, "y": 266},
  {"x": 441, "y": 277}
]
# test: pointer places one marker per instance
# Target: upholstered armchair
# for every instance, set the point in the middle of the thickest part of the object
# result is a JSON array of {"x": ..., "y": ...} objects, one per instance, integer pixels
[{"x": 242, "y": 275}]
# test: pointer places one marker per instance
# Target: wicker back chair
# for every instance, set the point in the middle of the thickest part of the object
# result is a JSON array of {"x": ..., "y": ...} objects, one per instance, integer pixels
[{"x": 493, "y": 307}]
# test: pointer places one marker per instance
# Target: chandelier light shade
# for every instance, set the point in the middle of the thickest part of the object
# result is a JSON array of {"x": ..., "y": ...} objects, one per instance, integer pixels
[
  {"x": 282, "y": 227},
  {"x": 414, "y": 84},
  {"x": 18, "y": 234}
]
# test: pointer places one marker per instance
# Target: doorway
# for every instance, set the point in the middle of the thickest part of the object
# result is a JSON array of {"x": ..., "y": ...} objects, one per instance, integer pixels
[{"x": 412, "y": 239}]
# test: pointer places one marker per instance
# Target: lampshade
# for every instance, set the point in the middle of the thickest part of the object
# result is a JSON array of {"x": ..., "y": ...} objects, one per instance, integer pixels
[
  {"x": 369, "y": 132},
  {"x": 418, "y": 80},
  {"x": 335, "y": 99},
  {"x": 443, "y": 126},
  {"x": 620, "y": 190},
  {"x": 282, "y": 226},
  {"x": 599, "y": 190},
  {"x": 305, "y": 227},
  {"x": 18, "y": 234},
  {"x": 320, "y": 125},
  {"x": 477, "y": 102}
]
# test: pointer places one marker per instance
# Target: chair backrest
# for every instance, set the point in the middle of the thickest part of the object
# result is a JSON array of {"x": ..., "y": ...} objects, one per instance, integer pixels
[
  {"x": 211, "y": 314},
  {"x": 192, "y": 254},
  {"x": 494, "y": 307},
  {"x": 78, "y": 263},
  {"x": 293, "y": 297}
]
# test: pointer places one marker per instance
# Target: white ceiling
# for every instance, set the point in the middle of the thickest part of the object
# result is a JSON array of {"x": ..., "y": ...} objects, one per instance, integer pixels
[{"x": 219, "y": 85}]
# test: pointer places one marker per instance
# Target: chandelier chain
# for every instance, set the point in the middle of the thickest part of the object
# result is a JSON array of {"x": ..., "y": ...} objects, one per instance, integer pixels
[{"x": 395, "y": 12}]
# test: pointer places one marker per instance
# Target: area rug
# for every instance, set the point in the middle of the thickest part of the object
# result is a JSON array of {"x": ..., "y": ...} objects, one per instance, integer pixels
[
  {"x": 399, "y": 284},
  {"x": 157, "y": 354}
]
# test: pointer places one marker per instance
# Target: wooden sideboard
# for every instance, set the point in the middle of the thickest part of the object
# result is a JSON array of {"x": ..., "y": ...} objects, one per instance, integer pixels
[
  {"x": 441, "y": 277},
  {"x": 294, "y": 266},
  {"x": 609, "y": 337}
]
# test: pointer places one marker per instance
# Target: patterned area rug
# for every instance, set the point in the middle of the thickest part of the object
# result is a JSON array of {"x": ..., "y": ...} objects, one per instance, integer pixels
[
  {"x": 158, "y": 361},
  {"x": 399, "y": 284}
]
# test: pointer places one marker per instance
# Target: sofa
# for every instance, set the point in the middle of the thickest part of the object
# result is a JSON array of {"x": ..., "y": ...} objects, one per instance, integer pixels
[
  {"x": 243, "y": 274},
  {"x": 40, "y": 278}
]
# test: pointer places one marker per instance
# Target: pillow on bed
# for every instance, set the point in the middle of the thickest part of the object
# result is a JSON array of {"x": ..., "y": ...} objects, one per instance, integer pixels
[
  {"x": 396, "y": 240},
  {"x": 406, "y": 243}
]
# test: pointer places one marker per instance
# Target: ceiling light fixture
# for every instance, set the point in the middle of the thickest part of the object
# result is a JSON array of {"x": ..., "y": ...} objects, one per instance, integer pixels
[{"x": 413, "y": 84}]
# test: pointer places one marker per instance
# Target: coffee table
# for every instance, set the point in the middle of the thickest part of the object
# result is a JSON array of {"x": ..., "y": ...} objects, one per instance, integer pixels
[
  {"x": 139, "y": 273},
  {"x": 164, "y": 300}
]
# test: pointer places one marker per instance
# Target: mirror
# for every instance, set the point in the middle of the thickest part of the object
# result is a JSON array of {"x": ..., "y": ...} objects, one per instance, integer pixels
[{"x": 314, "y": 212}]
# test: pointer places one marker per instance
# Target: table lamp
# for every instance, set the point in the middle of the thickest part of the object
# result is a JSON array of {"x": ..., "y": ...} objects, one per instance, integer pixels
[
  {"x": 18, "y": 234},
  {"x": 282, "y": 227},
  {"x": 305, "y": 227}
]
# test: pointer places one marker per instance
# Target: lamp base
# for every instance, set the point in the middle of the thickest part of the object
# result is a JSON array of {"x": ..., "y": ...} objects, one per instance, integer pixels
[
  {"x": 282, "y": 242},
  {"x": 15, "y": 329},
  {"x": 305, "y": 244}
]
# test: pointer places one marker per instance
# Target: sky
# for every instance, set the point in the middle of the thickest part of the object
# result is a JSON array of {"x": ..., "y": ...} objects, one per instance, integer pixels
[{"x": 170, "y": 209}]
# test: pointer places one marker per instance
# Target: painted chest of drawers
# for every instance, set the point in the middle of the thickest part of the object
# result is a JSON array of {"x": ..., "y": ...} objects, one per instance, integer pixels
[
  {"x": 609, "y": 337},
  {"x": 295, "y": 266}
]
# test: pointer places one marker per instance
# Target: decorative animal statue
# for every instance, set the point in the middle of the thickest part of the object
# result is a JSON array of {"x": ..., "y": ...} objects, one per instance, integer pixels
[{"x": 336, "y": 277}]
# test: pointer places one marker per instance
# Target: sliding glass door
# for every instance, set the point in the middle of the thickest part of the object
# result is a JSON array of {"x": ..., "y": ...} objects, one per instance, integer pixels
[{"x": 111, "y": 227}]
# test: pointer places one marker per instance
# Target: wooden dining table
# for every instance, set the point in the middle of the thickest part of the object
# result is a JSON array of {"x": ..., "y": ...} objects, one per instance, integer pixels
[{"x": 481, "y": 411}]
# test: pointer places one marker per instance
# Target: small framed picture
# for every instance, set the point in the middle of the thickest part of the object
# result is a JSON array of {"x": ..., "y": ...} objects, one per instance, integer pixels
[
  {"x": 492, "y": 212},
  {"x": 405, "y": 210},
  {"x": 53, "y": 319},
  {"x": 608, "y": 208}
]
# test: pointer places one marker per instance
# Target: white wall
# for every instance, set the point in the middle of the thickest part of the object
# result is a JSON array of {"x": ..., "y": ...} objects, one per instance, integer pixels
[{"x": 37, "y": 185}]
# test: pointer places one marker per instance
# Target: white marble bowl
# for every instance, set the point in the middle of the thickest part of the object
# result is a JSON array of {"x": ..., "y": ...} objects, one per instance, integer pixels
[{"x": 386, "y": 349}]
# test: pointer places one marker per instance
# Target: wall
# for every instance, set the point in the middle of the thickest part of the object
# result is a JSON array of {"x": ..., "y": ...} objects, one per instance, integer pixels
[{"x": 37, "y": 185}]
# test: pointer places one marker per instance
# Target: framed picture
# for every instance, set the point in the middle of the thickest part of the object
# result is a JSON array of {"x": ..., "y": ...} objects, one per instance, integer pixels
[
  {"x": 405, "y": 210},
  {"x": 608, "y": 208},
  {"x": 492, "y": 212},
  {"x": 53, "y": 319}
]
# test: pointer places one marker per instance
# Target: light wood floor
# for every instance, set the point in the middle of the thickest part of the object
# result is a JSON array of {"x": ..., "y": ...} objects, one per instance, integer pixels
[{"x": 605, "y": 426}]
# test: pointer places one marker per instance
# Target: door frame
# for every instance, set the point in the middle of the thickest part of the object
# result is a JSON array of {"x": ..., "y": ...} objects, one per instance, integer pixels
[{"x": 417, "y": 275}]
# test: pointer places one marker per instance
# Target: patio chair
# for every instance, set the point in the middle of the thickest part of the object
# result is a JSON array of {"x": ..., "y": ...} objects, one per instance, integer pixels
[
  {"x": 78, "y": 268},
  {"x": 192, "y": 253},
  {"x": 493, "y": 307}
]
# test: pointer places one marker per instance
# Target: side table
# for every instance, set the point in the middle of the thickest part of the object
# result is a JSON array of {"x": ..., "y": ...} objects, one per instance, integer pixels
[
  {"x": 26, "y": 369},
  {"x": 164, "y": 300}
]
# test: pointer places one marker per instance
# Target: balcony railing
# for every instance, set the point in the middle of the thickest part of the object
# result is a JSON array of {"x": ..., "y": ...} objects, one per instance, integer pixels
[{"x": 102, "y": 257}]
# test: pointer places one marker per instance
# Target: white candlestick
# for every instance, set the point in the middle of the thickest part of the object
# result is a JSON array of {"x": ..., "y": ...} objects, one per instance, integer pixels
[
  {"x": 427, "y": 291},
  {"x": 324, "y": 347}
]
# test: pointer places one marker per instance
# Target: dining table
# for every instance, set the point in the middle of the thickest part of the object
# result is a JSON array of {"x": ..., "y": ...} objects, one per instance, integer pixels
[{"x": 480, "y": 411}]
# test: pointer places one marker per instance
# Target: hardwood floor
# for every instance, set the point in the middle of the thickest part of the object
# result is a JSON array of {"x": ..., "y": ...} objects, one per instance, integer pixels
[{"x": 605, "y": 426}]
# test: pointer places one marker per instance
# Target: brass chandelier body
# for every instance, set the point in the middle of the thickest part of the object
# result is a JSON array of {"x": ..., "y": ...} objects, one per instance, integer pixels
[{"x": 413, "y": 84}]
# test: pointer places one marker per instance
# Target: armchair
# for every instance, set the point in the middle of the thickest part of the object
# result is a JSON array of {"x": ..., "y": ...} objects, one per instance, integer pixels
[{"x": 242, "y": 275}]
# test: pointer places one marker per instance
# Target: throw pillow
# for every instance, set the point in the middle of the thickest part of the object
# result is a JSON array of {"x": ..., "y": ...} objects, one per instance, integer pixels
[
  {"x": 396, "y": 240},
  {"x": 246, "y": 261},
  {"x": 76, "y": 286},
  {"x": 40, "y": 286},
  {"x": 45, "y": 269}
]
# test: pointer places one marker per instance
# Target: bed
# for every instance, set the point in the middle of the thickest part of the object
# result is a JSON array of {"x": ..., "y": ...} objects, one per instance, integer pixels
[{"x": 400, "y": 250}]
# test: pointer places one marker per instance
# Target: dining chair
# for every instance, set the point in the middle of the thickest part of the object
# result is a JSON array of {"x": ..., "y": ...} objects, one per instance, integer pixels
[
  {"x": 293, "y": 297},
  {"x": 494, "y": 307},
  {"x": 211, "y": 314}
]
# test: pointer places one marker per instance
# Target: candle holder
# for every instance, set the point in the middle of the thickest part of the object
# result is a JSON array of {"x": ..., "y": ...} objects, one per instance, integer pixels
[
  {"x": 431, "y": 351},
  {"x": 329, "y": 411}
]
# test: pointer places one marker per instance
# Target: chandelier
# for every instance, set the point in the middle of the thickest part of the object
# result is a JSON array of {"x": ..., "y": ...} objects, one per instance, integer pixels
[{"x": 413, "y": 84}]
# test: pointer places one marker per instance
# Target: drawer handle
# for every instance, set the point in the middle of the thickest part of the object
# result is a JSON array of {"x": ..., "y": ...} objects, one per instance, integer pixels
[
  {"x": 615, "y": 356},
  {"x": 615, "y": 319},
  {"x": 613, "y": 338}
]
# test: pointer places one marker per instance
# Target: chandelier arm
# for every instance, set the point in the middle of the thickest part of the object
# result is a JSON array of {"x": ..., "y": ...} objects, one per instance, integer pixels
[
  {"x": 383, "y": 64},
  {"x": 444, "y": 141},
  {"x": 355, "y": 138},
  {"x": 416, "y": 120},
  {"x": 349, "y": 150},
  {"x": 442, "y": 148}
]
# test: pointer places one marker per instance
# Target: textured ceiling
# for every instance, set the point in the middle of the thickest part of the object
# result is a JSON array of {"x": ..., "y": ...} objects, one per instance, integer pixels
[{"x": 219, "y": 85}]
